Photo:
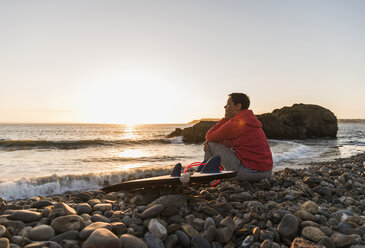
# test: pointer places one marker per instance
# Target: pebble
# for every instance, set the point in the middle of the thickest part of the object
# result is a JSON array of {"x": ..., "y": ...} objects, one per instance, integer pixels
[
  {"x": 43, "y": 244},
  {"x": 153, "y": 242},
  {"x": 130, "y": 241},
  {"x": 199, "y": 241},
  {"x": 311, "y": 207},
  {"x": 102, "y": 238},
  {"x": 70, "y": 235},
  {"x": 189, "y": 230},
  {"x": 61, "y": 209},
  {"x": 175, "y": 201},
  {"x": 313, "y": 233},
  {"x": 41, "y": 232},
  {"x": 228, "y": 222},
  {"x": 241, "y": 197},
  {"x": 209, "y": 221},
  {"x": 2, "y": 230},
  {"x": 224, "y": 234},
  {"x": 102, "y": 207},
  {"x": 305, "y": 215},
  {"x": 157, "y": 229},
  {"x": 4, "y": 243},
  {"x": 67, "y": 223},
  {"x": 210, "y": 234},
  {"x": 41, "y": 204},
  {"x": 183, "y": 238},
  {"x": 288, "y": 226},
  {"x": 248, "y": 241},
  {"x": 86, "y": 232},
  {"x": 152, "y": 211},
  {"x": 327, "y": 242},
  {"x": 302, "y": 243},
  {"x": 25, "y": 215},
  {"x": 341, "y": 240},
  {"x": 83, "y": 208},
  {"x": 171, "y": 241},
  {"x": 100, "y": 218}
]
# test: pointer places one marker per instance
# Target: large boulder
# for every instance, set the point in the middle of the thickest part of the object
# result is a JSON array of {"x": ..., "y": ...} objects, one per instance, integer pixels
[
  {"x": 194, "y": 134},
  {"x": 300, "y": 121}
]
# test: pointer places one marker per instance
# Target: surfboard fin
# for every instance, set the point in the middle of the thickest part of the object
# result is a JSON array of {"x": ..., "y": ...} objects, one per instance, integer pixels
[
  {"x": 212, "y": 165},
  {"x": 176, "y": 172},
  {"x": 201, "y": 166}
]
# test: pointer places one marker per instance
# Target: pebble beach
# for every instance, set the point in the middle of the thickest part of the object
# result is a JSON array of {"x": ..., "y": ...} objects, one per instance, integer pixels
[{"x": 322, "y": 205}]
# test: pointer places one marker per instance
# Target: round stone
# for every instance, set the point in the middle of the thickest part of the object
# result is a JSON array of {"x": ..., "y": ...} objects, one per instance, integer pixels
[
  {"x": 157, "y": 229},
  {"x": 86, "y": 232},
  {"x": 241, "y": 197},
  {"x": 25, "y": 215},
  {"x": 83, "y": 208},
  {"x": 102, "y": 238},
  {"x": 327, "y": 242},
  {"x": 199, "y": 241},
  {"x": 152, "y": 211},
  {"x": 40, "y": 204},
  {"x": 224, "y": 234},
  {"x": 341, "y": 240},
  {"x": 42, "y": 232},
  {"x": 183, "y": 238},
  {"x": 130, "y": 241},
  {"x": 171, "y": 241},
  {"x": 288, "y": 226},
  {"x": 102, "y": 207},
  {"x": 304, "y": 215},
  {"x": 248, "y": 241},
  {"x": 209, "y": 222},
  {"x": 2, "y": 230},
  {"x": 228, "y": 222},
  {"x": 100, "y": 218},
  {"x": 67, "y": 223},
  {"x": 301, "y": 243},
  {"x": 4, "y": 243},
  {"x": 313, "y": 233},
  {"x": 152, "y": 241},
  {"x": 189, "y": 230},
  {"x": 210, "y": 234},
  {"x": 118, "y": 228},
  {"x": 61, "y": 209},
  {"x": 310, "y": 206},
  {"x": 70, "y": 235}
]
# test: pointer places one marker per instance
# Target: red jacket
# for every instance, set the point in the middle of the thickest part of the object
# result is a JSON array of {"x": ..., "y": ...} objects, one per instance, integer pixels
[{"x": 246, "y": 137}]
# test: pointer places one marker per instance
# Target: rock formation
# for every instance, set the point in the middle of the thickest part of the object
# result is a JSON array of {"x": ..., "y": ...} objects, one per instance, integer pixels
[{"x": 300, "y": 121}]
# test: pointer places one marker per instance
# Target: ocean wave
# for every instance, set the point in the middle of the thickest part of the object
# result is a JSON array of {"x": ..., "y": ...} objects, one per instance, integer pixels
[
  {"x": 73, "y": 144},
  {"x": 134, "y": 159},
  {"x": 294, "y": 151},
  {"x": 56, "y": 185}
]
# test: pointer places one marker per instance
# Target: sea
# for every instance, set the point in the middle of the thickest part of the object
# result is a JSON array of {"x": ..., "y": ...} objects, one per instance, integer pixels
[{"x": 51, "y": 159}]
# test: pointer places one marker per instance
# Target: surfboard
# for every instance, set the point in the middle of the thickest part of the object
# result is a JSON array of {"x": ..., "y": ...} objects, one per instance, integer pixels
[{"x": 209, "y": 172}]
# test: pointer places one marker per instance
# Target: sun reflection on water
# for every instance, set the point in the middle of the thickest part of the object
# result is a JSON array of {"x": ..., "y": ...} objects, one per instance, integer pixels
[{"x": 132, "y": 153}]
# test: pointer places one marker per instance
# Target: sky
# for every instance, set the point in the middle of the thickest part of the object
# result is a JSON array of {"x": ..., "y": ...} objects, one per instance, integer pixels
[{"x": 172, "y": 61}]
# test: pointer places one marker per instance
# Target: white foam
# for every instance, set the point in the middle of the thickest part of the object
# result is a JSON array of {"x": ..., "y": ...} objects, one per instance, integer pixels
[
  {"x": 177, "y": 140},
  {"x": 296, "y": 150},
  {"x": 55, "y": 185}
]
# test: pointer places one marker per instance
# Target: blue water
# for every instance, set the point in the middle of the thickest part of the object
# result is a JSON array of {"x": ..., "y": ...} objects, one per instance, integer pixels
[{"x": 51, "y": 159}]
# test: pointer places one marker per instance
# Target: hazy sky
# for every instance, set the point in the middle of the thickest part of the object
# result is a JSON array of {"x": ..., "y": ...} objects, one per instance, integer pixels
[{"x": 175, "y": 61}]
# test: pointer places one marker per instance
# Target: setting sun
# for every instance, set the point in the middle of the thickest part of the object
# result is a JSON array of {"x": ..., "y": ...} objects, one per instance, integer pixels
[{"x": 128, "y": 98}]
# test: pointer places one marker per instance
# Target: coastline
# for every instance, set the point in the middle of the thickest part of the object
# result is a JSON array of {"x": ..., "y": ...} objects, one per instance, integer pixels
[{"x": 322, "y": 203}]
